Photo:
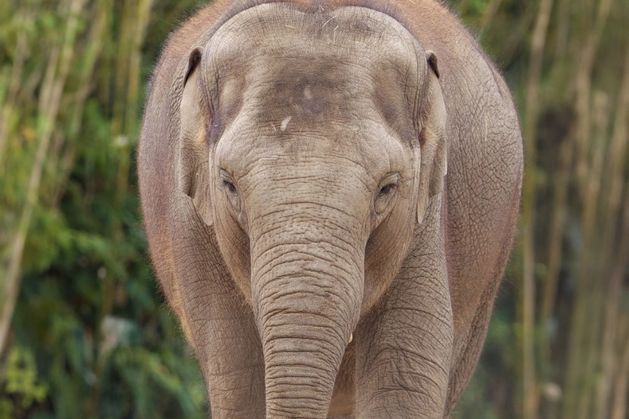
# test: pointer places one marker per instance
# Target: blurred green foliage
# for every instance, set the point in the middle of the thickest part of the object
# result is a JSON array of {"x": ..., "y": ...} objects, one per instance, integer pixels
[
  {"x": 20, "y": 383},
  {"x": 90, "y": 335}
]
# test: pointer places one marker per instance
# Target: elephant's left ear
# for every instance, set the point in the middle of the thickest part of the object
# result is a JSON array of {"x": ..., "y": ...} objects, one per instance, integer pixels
[
  {"x": 193, "y": 162},
  {"x": 432, "y": 157}
]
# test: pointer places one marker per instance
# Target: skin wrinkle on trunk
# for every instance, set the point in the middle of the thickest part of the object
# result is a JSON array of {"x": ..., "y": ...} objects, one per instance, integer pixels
[{"x": 305, "y": 328}]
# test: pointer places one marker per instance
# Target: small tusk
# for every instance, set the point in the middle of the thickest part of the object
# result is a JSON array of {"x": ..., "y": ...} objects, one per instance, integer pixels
[{"x": 351, "y": 338}]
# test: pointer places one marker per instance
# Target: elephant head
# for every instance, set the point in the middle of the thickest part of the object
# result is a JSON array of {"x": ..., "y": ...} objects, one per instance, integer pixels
[{"x": 311, "y": 144}]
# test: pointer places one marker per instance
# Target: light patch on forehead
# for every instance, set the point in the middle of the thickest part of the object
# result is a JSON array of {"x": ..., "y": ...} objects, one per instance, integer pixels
[
  {"x": 307, "y": 93},
  {"x": 285, "y": 123}
]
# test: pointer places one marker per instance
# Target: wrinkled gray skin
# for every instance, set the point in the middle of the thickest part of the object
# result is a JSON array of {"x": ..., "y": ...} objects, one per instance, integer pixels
[{"x": 330, "y": 201}]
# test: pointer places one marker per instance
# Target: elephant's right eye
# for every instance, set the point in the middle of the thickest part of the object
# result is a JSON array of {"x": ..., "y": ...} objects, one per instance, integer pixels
[
  {"x": 229, "y": 186},
  {"x": 230, "y": 190}
]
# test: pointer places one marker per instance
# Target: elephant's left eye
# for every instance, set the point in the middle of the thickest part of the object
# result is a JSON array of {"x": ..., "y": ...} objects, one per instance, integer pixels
[
  {"x": 387, "y": 189},
  {"x": 386, "y": 192}
]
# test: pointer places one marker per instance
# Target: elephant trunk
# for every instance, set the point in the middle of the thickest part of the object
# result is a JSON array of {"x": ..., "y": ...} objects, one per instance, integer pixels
[{"x": 307, "y": 284}]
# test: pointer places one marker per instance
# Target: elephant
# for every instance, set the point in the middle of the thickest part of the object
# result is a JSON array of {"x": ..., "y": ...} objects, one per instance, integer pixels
[{"x": 330, "y": 190}]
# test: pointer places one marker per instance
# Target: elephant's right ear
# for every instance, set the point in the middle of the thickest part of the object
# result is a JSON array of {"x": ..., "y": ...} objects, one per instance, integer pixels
[
  {"x": 193, "y": 165},
  {"x": 433, "y": 147}
]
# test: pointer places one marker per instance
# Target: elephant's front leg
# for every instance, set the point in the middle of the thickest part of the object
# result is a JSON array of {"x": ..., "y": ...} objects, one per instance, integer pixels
[
  {"x": 403, "y": 348},
  {"x": 234, "y": 369},
  {"x": 229, "y": 351},
  {"x": 218, "y": 324}
]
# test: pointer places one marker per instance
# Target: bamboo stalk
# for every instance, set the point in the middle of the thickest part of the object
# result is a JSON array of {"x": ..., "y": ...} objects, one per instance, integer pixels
[
  {"x": 58, "y": 69},
  {"x": 560, "y": 194},
  {"x": 124, "y": 127},
  {"x": 592, "y": 275},
  {"x": 619, "y": 397},
  {"x": 527, "y": 302},
  {"x": 562, "y": 30},
  {"x": 583, "y": 88},
  {"x": 616, "y": 159},
  {"x": 616, "y": 162},
  {"x": 91, "y": 52},
  {"x": 15, "y": 80},
  {"x": 555, "y": 238},
  {"x": 556, "y": 230},
  {"x": 138, "y": 22},
  {"x": 577, "y": 395},
  {"x": 143, "y": 13},
  {"x": 610, "y": 357},
  {"x": 490, "y": 11},
  {"x": 618, "y": 319},
  {"x": 510, "y": 46}
]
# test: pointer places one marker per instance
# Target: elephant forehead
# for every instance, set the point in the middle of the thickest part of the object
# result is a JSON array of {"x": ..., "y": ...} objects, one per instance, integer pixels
[{"x": 308, "y": 68}]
